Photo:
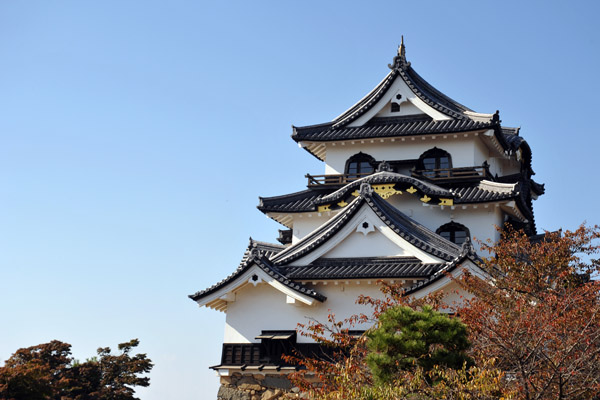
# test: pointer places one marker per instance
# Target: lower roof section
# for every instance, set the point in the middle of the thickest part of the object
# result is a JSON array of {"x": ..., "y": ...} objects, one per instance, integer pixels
[
  {"x": 363, "y": 268},
  {"x": 512, "y": 189}
]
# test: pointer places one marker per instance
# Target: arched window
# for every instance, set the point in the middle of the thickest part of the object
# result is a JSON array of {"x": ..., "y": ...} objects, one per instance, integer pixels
[
  {"x": 435, "y": 159},
  {"x": 456, "y": 233},
  {"x": 360, "y": 165}
]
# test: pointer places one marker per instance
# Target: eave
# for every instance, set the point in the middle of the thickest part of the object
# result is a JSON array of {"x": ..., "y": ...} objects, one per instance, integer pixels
[{"x": 255, "y": 270}]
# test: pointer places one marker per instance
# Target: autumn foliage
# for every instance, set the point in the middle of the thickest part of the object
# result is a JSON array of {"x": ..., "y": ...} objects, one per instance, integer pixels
[
  {"x": 48, "y": 372},
  {"x": 533, "y": 323},
  {"x": 538, "y": 315}
]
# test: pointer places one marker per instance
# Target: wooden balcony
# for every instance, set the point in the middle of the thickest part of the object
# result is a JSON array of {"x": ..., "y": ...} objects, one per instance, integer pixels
[
  {"x": 434, "y": 175},
  {"x": 453, "y": 174},
  {"x": 334, "y": 180}
]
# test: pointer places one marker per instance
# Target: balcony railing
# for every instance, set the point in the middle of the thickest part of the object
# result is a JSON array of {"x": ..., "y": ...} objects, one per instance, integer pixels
[
  {"x": 453, "y": 174},
  {"x": 331, "y": 180},
  {"x": 437, "y": 175}
]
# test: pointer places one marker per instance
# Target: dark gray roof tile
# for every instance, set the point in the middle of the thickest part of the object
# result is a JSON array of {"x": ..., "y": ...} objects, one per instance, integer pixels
[
  {"x": 363, "y": 268},
  {"x": 405, "y": 227},
  {"x": 303, "y": 201},
  {"x": 256, "y": 254},
  {"x": 387, "y": 127}
]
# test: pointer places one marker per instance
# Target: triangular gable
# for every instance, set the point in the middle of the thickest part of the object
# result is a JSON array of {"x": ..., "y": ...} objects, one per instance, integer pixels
[
  {"x": 369, "y": 212},
  {"x": 445, "y": 279},
  {"x": 409, "y": 104},
  {"x": 254, "y": 271},
  {"x": 366, "y": 235}
]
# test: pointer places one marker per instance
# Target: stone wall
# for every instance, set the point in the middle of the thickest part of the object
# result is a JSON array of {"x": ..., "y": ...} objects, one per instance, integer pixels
[{"x": 257, "y": 387}]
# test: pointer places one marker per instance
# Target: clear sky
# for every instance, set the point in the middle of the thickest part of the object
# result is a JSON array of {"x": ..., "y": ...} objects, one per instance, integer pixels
[{"x": 136, "y": 137}]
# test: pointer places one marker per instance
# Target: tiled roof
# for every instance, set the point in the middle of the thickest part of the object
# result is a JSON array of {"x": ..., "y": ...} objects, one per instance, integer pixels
[
  {"x": 363, "y": 268},
  {"x": 256, "y": 257},
  {"x": 308, "y": 200},
  {"x": 466, "y": 253},
  {"x": 431, "y": 95},
  {"x": 421, "y": 88},
  {"x": 385, "y": 177},
  {"x": 402, "y": 225},
  {"x": 486, "y": 191},
  {"x": 303, "y": 201},
  {"x": 366, "y": 102},
  {"x": 266, "y": 249},
  {"x": 413, "y": 232},
  {"x": 538, "y": 188},
  {"x": 387, "y": 127}
]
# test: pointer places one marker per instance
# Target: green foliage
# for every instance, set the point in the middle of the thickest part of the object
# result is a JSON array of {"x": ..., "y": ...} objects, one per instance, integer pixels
[
  {"x": 48, "y": 372},
  {"x": 407, "y": 338},
  {"x": 466, "y": 383}
]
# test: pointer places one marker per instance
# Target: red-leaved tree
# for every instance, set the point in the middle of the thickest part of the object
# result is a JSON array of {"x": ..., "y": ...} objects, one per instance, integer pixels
[
  {"x": 538, "y": 313},
  {"x": 48, "y": 372}
]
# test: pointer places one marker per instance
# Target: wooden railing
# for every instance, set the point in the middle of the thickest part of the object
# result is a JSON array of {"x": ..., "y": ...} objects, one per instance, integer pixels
[
  {"x": 336, "y": 179},
  {"x": 451, "y": 174},
  {"x": 447, "y": 174}
]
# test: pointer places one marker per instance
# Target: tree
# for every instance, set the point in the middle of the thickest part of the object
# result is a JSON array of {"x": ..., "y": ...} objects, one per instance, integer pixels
[
  {"x": 408, "y": 338},
  {"x": 538, "y": 314},
  {"x": 421, "y": 372},
  {"x": 47, "y": 371}
]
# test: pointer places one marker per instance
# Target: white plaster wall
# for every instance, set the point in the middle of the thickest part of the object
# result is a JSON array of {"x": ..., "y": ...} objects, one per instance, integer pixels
[
  {"x": 374, "y": 244},
  {"x": 480, "y": 221},
  {"x": 481, "y": 154},
  {"x": 464, "y": 151},
  {"x": 264, "y": 308},
  {"x": 509, "y": 166},
  {"x": 365, "y": 246},
  {"x": 399, "y": 87},
  {"x": 504, "y": 166},
  {"x": 406, "y": 108},
  {"x": 303, "y": 224}
]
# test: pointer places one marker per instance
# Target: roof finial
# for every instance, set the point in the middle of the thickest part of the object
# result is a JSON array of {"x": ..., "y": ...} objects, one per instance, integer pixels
[
  {"x": 400, "y": 59},
  {"x": 402, "y": 49}
]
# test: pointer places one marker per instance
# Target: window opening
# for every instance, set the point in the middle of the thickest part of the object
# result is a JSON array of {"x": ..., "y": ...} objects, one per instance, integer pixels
[
  {"x": 360, "y": 165},
  {"x": 456, "y": 233},
  {"x": 435, "y": 163}
]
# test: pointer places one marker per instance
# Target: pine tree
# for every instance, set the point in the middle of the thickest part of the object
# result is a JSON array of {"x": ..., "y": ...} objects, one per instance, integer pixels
[{"x": 406, "y": 339}]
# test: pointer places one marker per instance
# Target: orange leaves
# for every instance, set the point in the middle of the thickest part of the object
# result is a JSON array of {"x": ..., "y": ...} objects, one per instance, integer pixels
[{"x": 539, "y": 314}]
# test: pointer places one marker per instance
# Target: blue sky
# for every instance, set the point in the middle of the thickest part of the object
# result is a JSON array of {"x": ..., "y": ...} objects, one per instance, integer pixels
[{"x": 136, "y": 137}]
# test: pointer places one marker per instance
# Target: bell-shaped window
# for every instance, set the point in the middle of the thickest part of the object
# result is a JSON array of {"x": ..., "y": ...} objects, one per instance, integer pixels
[
  {"x": 360, "y": 165},
  {"x": 435, "y": 163},
  {"x": 435, "y": 159},
  {"x": 456, "y": 233}
]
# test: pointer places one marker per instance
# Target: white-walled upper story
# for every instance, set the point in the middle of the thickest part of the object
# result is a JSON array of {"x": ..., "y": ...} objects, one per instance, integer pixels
[{"x": 480, "y": 219}]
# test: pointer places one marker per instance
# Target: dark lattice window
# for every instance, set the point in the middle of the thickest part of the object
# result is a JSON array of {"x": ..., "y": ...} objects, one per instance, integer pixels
[
  {"x": 435, "y": 159},
  {"x": 274, "y": 344},
  {"x": 435, "y": 163},
  {"x": 456, "y": 233},
  {"x": 360, "y": 164},
  {"x": 395, "y": 107}
]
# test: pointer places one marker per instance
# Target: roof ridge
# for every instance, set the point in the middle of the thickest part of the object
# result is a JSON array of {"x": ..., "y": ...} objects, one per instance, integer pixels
[
  {"x": 404, "y": 226},
  {"x": 289, "y": 195},
  {"x": 360, "y": 259},
  {"x": 448, "y": 250},
  {"x": 255, "y": 258},
  {"x": 386, "y": 176}
]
